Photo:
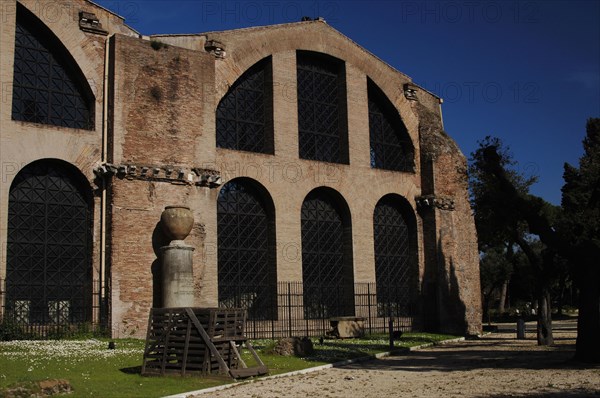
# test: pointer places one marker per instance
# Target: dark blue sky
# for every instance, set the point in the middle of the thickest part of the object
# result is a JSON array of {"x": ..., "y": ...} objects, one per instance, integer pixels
[{"x": 525, "y": 71}]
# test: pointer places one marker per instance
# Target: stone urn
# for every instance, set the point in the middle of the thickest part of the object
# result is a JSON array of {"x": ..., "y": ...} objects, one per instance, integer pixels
[{"x": 177, "y": 222}]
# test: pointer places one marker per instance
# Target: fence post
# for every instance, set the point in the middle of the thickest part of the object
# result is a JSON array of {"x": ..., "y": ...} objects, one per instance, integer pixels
[
  {"x": 369, "y": 306},
  {"x": 2, "y": 306},
  {"x": 274, "y": 306},
  {"x": 289, "y": 294},
  {"x": 391, "y": 329}
]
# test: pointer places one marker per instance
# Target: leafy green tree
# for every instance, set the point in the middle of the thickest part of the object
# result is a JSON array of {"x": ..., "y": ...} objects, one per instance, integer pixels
[
  {"x": 503, "y": 208},
  {"x": 580, "y": 237},
  {"x": 575, "y": 236},
  {"x": 496, "y": 223}
]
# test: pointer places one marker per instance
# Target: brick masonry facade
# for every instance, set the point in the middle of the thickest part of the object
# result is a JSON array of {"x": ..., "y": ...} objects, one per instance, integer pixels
[{"x": 158, "y": 121}]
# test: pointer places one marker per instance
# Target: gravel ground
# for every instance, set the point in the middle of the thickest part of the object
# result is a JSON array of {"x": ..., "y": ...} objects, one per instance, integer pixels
[{"x": 496, "y": 365}]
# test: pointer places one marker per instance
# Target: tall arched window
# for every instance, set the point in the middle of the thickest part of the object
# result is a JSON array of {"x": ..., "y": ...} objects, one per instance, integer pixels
[
  {"x": 246, "y": 249},
  {"x": 48, "y": 86},
  {"x": 49, "y": 270},
  {"x": 322, "y": 114},
  {"x": 395, "y": 255},
  {"x": 245, "y": 114},
  {"x": 327, "y": 273},
  {"x": 391, "y": 146}
]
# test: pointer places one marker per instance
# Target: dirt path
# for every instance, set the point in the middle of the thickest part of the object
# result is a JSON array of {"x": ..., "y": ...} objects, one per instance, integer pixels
[{"x": 496, "y": 365}]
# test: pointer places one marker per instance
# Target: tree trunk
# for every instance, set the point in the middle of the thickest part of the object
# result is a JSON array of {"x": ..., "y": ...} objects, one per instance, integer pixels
[
  {"x": 588, "y": 324},
  {"x": 544, "y": 319},
  {"x": 541, "y": 269},
  {"x": 562, "y": 287},
  {"x": 502, "y": 302},
  {"x": 486, "y": 307}
]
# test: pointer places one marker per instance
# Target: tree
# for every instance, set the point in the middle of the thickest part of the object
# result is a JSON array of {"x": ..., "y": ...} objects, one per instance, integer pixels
[
  {"x": 496, "y": 223},
  {"x": 580, "y": 231},
  {"x": 575, "y": 236},
  {"x": 506, "y": 212}
]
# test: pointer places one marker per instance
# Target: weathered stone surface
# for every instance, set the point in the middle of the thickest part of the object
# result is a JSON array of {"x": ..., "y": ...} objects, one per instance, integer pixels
[
  {"x": 451, "y": 285},
  {"x": 300, "y": 347}
]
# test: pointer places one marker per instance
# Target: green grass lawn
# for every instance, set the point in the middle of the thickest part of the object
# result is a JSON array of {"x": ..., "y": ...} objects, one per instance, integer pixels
[{"x": 95, "y": 371}]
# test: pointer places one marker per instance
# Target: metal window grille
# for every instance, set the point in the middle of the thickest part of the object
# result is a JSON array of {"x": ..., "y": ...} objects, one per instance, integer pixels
[
  {"x": 391, "y": 148},
  {"x": 48, "y": 272},
  {"x": 321, "y": 109},
  {"x": 393, "y": 273},
  {"x": 324, "y": 259},
  {"x": 46, "y": 89},
  {"x": 59, "y": 311},
  {"x": 245, "y": 251},
  {"x": 244, "y": 114}
]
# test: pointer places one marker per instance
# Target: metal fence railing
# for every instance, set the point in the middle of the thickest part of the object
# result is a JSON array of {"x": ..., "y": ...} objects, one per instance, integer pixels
[
  {"x": 43, "y": 316},
  {"x": 287, "y": 313},
  {"x": 282, "y": 310}
]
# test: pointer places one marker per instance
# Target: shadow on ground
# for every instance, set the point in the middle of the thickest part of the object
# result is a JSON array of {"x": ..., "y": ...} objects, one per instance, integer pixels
[
  {"x": 577, "y": 393},
  {"x": 479, "y": 356},
  {"x": 494, "y": 351},
  {"x": 134, "y": 370}
]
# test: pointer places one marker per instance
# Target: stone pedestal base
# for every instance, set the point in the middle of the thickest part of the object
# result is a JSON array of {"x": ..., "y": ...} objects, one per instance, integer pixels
[{"x": 178, "y": 279}]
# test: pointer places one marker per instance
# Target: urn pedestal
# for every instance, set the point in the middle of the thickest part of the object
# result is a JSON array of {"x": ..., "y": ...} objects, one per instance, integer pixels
[{"x": 177, "y": 260}]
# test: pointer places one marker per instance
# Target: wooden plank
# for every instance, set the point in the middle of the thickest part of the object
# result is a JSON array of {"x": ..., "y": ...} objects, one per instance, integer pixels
[
  {"x": 209, "y": 343},
  {"x": 186, "y": 348},
  {"x": 248, "y": 372},
  {"x": 166, "y": 340},
  {"x": 237, "y": 354},
  {"x": 147, "y": 348},
  {"x": 254, "y": 354},
  {"x": 239, "y": 339}
]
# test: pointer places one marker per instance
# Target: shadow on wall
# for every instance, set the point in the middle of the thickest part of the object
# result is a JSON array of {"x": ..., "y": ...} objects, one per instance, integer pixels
[
  {"x": 453, "y": 311},
  {"x": 159, "y": 239}
]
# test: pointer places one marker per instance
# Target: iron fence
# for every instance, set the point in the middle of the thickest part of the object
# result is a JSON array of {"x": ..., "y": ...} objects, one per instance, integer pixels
[
  {"x": 52, "y": 317},
  {"x": 287, "y": 315},
  {"x": 283, "y": 312}
]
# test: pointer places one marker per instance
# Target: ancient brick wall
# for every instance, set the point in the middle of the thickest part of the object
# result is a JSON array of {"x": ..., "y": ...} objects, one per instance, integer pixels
[
  {"x": 161, "y": 113},
  {"x": 452, "y": 294},
  {"x": 161, "y": 150},
  {"x": 164, "y": 119}
]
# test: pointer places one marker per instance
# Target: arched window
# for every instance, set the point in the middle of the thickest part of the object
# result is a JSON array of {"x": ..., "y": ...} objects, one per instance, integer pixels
[
  {"x": 322, "y": 114},
  {"x": 48, "y": 86},
  {"x": 327, "y": 273},
  {"x": 49, "y": 269},
  {"x": 246, "y": 249},
  {"x": 395, "y": 255},
  {"x": 245, "y": 114},
  {"x": 391, "y": 147}
]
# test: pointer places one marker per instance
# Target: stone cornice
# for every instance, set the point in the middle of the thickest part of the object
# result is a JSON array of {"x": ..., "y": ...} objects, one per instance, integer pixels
[{"x": 175, "y": 175}]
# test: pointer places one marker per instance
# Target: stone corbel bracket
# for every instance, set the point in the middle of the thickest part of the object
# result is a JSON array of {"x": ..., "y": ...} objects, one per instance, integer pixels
[
  {"x": 433, "y": 201},
  {"x": 175, "y": 175},
  {"x": 215, "y": 48},
  {"x": 410, "y": 91},
  {"x": 88, "y": 22}
]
